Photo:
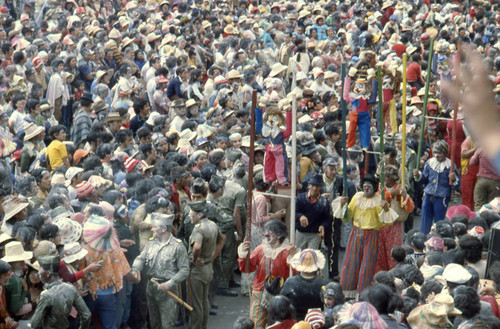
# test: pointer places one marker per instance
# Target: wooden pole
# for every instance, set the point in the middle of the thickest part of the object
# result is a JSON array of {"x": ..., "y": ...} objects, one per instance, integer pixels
[
  {"x": 250, "y": 175},
  {"x": 343, "y": 108},
  {"x": 381, "y": 127},
  {"x": 455, "y": 109},
  {"x": 293, "y": 171},
  {"x": 426, "y": 98},
  {"x": 403, "y": 132},
  {"x": 174, "y": 296}
]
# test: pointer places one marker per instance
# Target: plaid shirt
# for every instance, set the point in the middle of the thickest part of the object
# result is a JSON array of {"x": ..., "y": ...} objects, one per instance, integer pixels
[{"x": 81, "y": 127}]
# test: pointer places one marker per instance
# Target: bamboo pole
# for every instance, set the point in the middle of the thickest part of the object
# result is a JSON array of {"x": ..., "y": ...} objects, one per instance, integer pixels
[
  {"x": 403, "y": 133},
  {"x": 250, "y": 176},
  {"x": 381, "y": 127},
  {"x": 455, "y": 109},
  {"x": 343, "y": 107},
  {"x": 426, "y": 98},
  {"x": 293, "y": 171},
  {"x": 174, "y": 296}
]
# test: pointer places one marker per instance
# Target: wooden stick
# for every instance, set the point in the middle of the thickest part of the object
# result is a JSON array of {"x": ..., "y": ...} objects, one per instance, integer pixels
[
  {"x": 426, "y": 98},
  {"x": 455, "y": 109},
  {"x": 403, "y": 133},
  {"x": 343, "y": 107},
  {"x": 174, "y": 296},
  {"x": 293, "y": 172},
  {"x": 381, "y": 127}
]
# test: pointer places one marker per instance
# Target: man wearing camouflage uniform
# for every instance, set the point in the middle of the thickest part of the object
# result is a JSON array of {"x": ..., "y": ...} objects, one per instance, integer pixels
[{"x": 166, "y": 261}]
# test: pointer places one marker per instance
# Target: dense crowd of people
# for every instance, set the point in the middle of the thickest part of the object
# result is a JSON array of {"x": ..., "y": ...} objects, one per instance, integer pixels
[{"x": 128, "y": 163}]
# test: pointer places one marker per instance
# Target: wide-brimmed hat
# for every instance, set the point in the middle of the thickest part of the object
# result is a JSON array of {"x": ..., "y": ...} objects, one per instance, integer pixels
[
  {"x": 69, "y": 230},
  {"x": 187, "y": 134},
  {"x": 73, "y": 251},
  {"x": 99, "y": 234},
  {"x": 233, "y": 74},
  {"x": 434, "y": 314},
  {"x": 32, "y": 130},
  {"x": 276, "y": 69},
  {"x": 113, "y": 116},
  {"x": 14, "y": 252},
  {"x": 230, "y": 29},
  {"x": 309, "y": 260},
  {"x": 87, "y": 96},
  {"x": 6, "y": 147},
  {"x": 13, "y": 206},
  {"x": 59, "y": 213},
  {"x": 72, "y": 172}
]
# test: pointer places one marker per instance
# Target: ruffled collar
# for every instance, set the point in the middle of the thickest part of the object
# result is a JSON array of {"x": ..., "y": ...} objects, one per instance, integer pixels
[
  {"x": 271, "y": 252},
  {"x": 439, "y": 166},
  {"x": 367, "y": 203}
]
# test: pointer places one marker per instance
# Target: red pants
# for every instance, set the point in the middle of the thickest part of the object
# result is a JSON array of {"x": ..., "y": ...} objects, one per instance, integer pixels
[{"x": 469, "y": 181}]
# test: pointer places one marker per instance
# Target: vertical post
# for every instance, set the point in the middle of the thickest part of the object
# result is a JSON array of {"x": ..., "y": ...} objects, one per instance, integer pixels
[
  {"x": 250, "y": 174},
  {"x": 293, "y": 171},
  {"x": 403, "y": 133},
  {"x": 343, "y": 108},
  {"x": 381, "y": 127},
  {"x": 426, "y": 98},
  {"x": 455, "y": 109}
]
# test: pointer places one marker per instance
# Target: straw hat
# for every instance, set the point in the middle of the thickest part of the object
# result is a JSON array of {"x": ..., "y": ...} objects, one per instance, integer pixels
[
  {"x": 69, "y": 230},
  {"x": 304, "y": 13},
  {"x": 14, "y": 252},
  {"x": 126, "y": 41},
  {"x": 233, "y": 74},
  {"x": 6, "y": 147},
  {"x": 276, "y": 69},
  {"x": 230, "y": 29},
  {"x": 73, "y": 251},
  {"x": 191, "y": 102},
  {"x": 187, "y": 134},
  {"x": 206, "y": 24},
  {"x": 435, "y": 314},
  {"x": 309, "y": 260},
  {"x": 113, "y": 116},
  {"x": 13, "y": 206},
  {"x": 153, "y": 37},
  {"x": 411, "y": 49},
  {"x": 72, "y": 172},
  {"x": 32, "y": 130},
  {"x": 58, "y": 178}
]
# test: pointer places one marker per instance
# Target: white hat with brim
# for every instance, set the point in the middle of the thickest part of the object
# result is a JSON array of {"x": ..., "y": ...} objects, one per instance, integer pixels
[
  {"x": 187, "y": 134},
  {"x": 31, "y": 130},
  {"x": 14, "y": 252},
  {"x": 73, "y": 252},
  {"x": 308, "y": 261},
  {"x": 277, "y": 69},
  {"x": 12, "y": 207},
  {"x": 151, "y": 119}
]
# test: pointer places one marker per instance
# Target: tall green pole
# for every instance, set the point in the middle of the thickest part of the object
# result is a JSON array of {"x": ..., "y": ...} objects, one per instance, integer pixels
[{"x": 426, "y": 98}]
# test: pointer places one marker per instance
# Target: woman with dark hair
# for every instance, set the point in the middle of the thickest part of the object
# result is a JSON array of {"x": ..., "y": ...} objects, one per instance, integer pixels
[
  {"x": 472, "y": 249},
  {"x": 5, "y": 320},
  {"x": 386, "y": 302},
  {"x": 281, "y": 314},
  {"x": 42, "y": 177},
  {"x": 268, "y": 259},
  {"x": 466, "y": 300},
  {"x": 195, "y": 89},
  {"x": 333, "y": 298}
]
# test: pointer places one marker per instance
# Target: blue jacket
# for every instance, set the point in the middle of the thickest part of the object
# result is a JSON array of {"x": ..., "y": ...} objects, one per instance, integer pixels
[
  {"x": 435, "y": 176},
  {"x": 174, "y": 88},
  {"x": 318, "y": 214}
]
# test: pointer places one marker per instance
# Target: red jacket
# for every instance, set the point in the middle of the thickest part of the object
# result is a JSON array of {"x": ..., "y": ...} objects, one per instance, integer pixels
[{"x": 413, "y": 73}]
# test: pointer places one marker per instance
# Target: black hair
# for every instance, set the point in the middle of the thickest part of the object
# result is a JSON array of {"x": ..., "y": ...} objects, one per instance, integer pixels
[
  {"x": 490, "y": 217},
  {"x": 103, "y": 150},
  {"x": 466, "y": 300},
  {"x": 384, "y": 299},
  {"x": 142, "y": 189},
  {"x": 243, "y": 322},
  {"x": 280, "y": 309},
  {"x": 479, "y": 221},
  {"x": 459, "y": 228},
  {"x": 198, "y": 187},
  {"x": 55, "y": 199},
  {"x": 48, "y": 231},
  {"x": 413, "y": 275},
  {"x": 459, "y": 219},
  {"x": 38, "y": 173},
  {"x": 4, "y": 267},
  {"x": 155, "y": 203},
  {"x": 23, "y": 184},
  {"x": 453, "y": 256},
  {"x": 471, "y": 247},
  {"x": 418, "y": 240},
  {"x": 385, "y": 278},
  {"x": 428, "y": 288},
  {"x": 139, "y": 104},
  {"x": 474, "y": 279},
  {"x": 398, "y": 253},
  {"x": 92, "y": 163},
  {"x": 143, "y": 132},
  {"x": 122, "y": 134},
  {"x": 445, "y": 229},
  {"x": 25, "y": 232},
  {"x": 94, "y": 210},
  {"x": 435, "y": 258}
]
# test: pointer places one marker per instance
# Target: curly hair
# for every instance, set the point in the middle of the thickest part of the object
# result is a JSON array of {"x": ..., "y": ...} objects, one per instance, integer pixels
[
  {"x": 466, "y": 300},
  {"x": 471, "y": 247}
]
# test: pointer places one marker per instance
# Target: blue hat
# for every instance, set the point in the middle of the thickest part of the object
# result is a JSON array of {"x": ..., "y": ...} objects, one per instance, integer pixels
[{"x": 316, "y": 179}]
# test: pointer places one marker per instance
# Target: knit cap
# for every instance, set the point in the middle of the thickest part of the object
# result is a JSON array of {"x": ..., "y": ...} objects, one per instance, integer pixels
[{"x": 315, "y": 318}]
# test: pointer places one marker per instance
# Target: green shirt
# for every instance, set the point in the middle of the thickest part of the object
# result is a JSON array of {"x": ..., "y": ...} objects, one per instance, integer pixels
[
  {"x": 207, "y": 234},
  {"x": 55, "y": 305}
]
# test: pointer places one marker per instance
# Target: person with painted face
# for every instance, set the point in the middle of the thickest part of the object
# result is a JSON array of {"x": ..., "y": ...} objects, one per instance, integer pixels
[
  {"x": 439, "y": 179},
  {"x": 268, "y": 259},
  {"x": 58, "y": 299},
  {"x": 368, "y": 213}
]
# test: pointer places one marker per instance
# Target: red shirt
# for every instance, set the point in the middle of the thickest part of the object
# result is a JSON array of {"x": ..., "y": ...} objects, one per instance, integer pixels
[
  {"x": 413, "y": 73},
  {"x": 399, "y": 48}
]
